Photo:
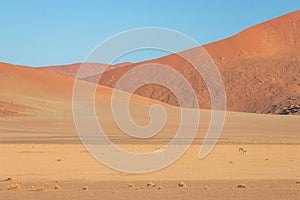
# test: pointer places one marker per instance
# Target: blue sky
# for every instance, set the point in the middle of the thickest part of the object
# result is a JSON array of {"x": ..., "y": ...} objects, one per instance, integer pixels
[{"x": 40, "y": 33}]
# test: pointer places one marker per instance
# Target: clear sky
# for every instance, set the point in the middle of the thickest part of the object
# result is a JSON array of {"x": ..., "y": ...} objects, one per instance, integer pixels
[{"x": 39, "y": 33}]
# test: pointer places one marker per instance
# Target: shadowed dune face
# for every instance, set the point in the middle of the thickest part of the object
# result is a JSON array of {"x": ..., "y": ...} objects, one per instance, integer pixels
[{"x": 260, "y": 68}]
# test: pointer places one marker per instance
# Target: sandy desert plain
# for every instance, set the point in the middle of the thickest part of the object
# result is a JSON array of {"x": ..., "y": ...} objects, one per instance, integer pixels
[{"x": 42, "y": 156}]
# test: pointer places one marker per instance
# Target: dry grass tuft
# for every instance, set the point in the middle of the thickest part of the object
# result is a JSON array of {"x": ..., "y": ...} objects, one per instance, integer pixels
[
  {"x": 14, "y": 187},
  {"x": 40, "y": 189}
]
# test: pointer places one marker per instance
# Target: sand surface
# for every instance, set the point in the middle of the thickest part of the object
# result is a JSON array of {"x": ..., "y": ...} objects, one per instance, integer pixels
[
  {"x": 267, "y": 172},
  {"x": 49, "y": 153}
]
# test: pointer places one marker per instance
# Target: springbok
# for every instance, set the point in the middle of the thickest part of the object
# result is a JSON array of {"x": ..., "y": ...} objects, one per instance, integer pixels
[
  {"x": 242, "y": 151},
  {"x": 160, "y": 150}
]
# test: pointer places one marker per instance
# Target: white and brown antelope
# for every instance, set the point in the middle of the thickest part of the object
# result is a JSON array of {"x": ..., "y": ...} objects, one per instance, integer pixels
[
  {"x": 160, "y": 150},
  {"x": 242, "y": 151}
]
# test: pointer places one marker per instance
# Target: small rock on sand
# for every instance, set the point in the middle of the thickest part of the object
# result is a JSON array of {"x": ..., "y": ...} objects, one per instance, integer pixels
[
  {"x": 151, "y": 184},
  {"x": 182, "y": 184},
  {"x": 9, "y": 179},
  {"x": 241, "y": 186},
  {"x": 131, "y": 185},
  {"x": 85, "y": 188},
  {"x": 57, "y": 187}
]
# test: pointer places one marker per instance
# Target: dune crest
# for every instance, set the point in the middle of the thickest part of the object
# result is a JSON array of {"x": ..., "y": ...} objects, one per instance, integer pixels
[{"x": 90, "y": 69}]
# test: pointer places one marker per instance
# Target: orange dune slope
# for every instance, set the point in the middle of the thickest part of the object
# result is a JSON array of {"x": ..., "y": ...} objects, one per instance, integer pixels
[
  {"x": 28, "y": 91},
  {"x": 260, "y": 68}
]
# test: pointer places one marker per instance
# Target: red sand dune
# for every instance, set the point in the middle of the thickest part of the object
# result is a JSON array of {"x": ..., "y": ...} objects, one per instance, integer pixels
[
  {"x": 27, "y": 91},
  {"x": 260, "y": 68}
]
